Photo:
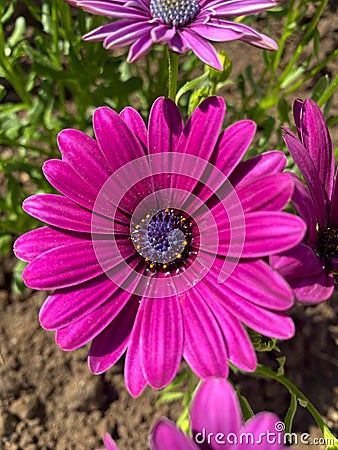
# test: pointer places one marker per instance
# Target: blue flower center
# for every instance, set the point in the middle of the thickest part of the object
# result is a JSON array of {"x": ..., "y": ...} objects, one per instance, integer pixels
[
  {"x": 328, "y": 243},
  {"x": 174, "y": 12},
  {"x": 163, "y": 239}
]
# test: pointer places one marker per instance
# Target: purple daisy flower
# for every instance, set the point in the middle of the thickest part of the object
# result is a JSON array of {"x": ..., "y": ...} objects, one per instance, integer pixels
[
  {"x": 309, "y": 267},
  {"x": 183, "y": 25},
  {"x": 217, "y": 423},
  {"x": 154, "y": 250}
]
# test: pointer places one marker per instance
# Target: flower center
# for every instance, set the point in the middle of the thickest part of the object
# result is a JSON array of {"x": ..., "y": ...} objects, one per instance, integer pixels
[
  {"x": 163, "y": 239},
  {"x": 174, "y": 12},
  {"x": 328, "y": 243}
]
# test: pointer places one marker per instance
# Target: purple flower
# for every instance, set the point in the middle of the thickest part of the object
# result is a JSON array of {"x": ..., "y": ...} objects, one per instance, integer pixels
[
  {"x": 183, "y": 25},
  {"x": 309, "y": 267},
  {"x": 217, "y": 423},
  {"x": 155, "y": 250}
]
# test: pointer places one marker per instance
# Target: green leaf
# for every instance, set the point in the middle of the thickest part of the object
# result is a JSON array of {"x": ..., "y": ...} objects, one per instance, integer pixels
[
  {"x": 330, "y": 440},
  {"x": 18, "y": 32},
  {"x": 303, "y": 403},
  {"x": 281, "y": 361},
  {"x": 320, "y": 87},
  {"x": 283, "y": 110},
  {"x": 245, "y": 407}
]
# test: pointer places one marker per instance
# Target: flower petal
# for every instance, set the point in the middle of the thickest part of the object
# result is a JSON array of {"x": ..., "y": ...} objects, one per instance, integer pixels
[
  {"x": 305, "y": 273},
  {"x": 68, "y": 305},
  {"x": 239, "y": 346},
  {"x": 313, "y": 290},
  {"x": 32, "y": 244},
  {"x": 215, "y": 409},
  {"x": 81, "y": 151},
  {"x": 258, "y": 429},
  {"x": 117, "y": 142},
  {"x": 165, "y": 435},
  {"x": 79, "y": 333},
  {"x": 235, "y": 8},
  {"x": 316, "y": 139},
  {"x": 308, "y": 170},
  {"x": 111, "y": 343},
  {"x": 202, "y": 48},
  {"x": 75, "y": 263},
  {"x": 204, "y": 346},
  {"x": 265, "y": 321},
  {"x": 133, "y": 373},
  {"x": 135, "y": 123},
  {"x": 262, "y": 165},
  {"x": 266, "y": 233},
  {"x": 140, "y": 48},
  {"x": 305, "y": 207},
  {"x": 65, "y": 214},
  {"x": 162, "y": 340}
]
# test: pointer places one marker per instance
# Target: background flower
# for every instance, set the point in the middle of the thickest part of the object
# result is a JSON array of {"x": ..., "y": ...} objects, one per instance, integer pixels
[
  {"x": 183, "y": 25},
  {"x": 111, "y": 288},
  {"x": 109, "y": 443},
  {"x": 217, "y": 423},
  {"x": 309, "y": 267}
]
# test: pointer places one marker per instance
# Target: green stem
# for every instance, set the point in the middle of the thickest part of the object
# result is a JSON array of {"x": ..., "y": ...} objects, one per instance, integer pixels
[
  {"x": 329, "y": 92},
  {"x": 172, "y": 73},
  {"x": 266, "y": 372}
]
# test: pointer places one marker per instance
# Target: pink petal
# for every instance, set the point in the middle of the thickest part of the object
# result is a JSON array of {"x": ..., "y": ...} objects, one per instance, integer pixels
[
  {"x": 61, "y": 176},
  {"x": 32, "y": 244},
  {"x": 309, "y": 172},
  {"x": 202, "y": 48},
  {"x": 304, "y": 205},
  {"x": 73, "y": 264},
  {"x": 165, "y": 435},
  {"x": 81, "y": 152},
  {"x": 140, "y": 48},
  {"x": 260, "y": 428},
  {"x": 215, "y": 410},
  {"x": 79, "y": 333},
  {"x": 117, "y": 142},
  {"x": 111, "y": 343},
  {"x": 265, "y": 321},
  {"x": 265, "y": 164},
  {"x": 316, "y": 139},
  {"x": 64, "y": 213},
  {"x": 68, "y": 305},
  {"x": 133, "y": 373},
  {"x": 162, "y": 340},
  {"x": 313, "y": 290},
  {"x": 265, "y": 233},
  {"x": 235, "y": 8},
  {"x": 204, "y": 346},
  {"x": 135, "y": 123}
]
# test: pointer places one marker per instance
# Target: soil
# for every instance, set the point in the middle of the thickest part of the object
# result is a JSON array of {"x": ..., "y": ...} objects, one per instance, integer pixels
[{"x": 50, "y": 400}]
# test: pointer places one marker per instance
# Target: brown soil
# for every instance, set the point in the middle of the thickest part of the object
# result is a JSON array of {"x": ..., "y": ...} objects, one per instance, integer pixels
[{"x": 50, "y": 400}]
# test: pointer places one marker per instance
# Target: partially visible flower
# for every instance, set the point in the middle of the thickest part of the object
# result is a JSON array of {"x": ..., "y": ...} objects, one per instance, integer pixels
[
  {"x": 182, "y": 24},
  {"x": 309, "y": 267},
  {"x": 109, "y": 443},
  {"x": 156, "y": 246},
  {"x": 217, "y": 423}
]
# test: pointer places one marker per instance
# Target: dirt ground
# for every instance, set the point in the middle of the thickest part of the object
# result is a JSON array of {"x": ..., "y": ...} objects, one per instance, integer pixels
[{"x": 50, "y": 400}]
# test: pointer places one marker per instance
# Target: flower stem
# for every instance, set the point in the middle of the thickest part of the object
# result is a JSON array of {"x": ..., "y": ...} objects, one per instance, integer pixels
[
  {"x": 266, "y": 372},
  {"x": 172, "y": 73}
]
